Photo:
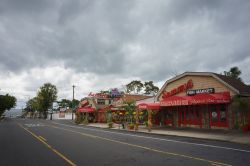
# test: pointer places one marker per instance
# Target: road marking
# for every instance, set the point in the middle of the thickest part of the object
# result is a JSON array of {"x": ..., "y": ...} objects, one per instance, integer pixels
[
  {"x": 143, "y": 147},
  {"x": 160, "y": 139},
  {"x": 48, "y": 146},
  {"x": 34, "y": 125},
  {"x": 42, "y": 138}
]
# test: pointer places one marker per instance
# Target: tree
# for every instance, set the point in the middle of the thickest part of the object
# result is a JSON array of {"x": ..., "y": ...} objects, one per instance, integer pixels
[
  {"x": 150, "y": 88},
  {"x": 233, "y": 72},
  {"x": 46, "y": 95},
  {"x": 64, "y": 103},
  {"x": 134, "y": 86},
  {"x": 6, "y": 103},
  {"x": 32, "y": 105}
]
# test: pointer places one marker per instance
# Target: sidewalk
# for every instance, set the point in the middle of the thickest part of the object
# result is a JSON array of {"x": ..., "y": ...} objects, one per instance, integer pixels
[{"x": 221, "y": 135}]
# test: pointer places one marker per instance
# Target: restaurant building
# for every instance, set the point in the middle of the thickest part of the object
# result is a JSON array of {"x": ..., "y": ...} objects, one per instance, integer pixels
[
  {"x": 95, "y": 105},
  {"x": 198, "y": 100}
]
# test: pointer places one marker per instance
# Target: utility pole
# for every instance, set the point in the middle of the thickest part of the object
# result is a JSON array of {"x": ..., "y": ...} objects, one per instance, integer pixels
[{"x": 73, "y": 101}]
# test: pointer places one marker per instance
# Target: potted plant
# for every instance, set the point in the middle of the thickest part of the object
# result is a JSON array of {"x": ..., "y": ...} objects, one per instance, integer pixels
[
  {"x": 110, "y": 124},
  {"x": 131, "y": 126}
]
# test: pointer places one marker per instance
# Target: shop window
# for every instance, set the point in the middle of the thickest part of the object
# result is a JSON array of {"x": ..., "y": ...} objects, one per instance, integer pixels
[
  {"x": 223, "y": 117},
  {"x": 214, "y": 116}
]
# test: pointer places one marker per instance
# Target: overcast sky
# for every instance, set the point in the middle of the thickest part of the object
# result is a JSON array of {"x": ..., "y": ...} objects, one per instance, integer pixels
[{"x": 102, "y": 44}]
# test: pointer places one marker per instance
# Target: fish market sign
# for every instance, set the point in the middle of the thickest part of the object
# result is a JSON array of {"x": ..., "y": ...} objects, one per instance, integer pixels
[{"x": 199, "y": 91}]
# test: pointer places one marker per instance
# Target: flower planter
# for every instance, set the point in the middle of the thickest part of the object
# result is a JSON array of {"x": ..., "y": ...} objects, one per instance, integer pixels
[{"x": 131, "y": 127}]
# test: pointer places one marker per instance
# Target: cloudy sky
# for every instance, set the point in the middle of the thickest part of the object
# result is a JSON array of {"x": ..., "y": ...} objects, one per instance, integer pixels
[{"x": 102, "y": 44}]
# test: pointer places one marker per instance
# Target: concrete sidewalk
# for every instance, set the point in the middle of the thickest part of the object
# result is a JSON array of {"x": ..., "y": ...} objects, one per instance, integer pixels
[{"x": 221, "y": 135}]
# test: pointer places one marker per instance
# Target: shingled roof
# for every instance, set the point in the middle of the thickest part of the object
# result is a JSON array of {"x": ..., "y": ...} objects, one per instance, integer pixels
[{"x": 237, "y": 84}]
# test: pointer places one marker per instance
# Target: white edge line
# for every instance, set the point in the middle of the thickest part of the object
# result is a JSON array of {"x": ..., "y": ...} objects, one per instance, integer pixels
[{"x": 167, "y": 140}]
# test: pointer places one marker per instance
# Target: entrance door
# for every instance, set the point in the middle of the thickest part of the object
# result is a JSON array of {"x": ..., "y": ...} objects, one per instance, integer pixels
[
  {"x": 190, "y": 115},
  {"x": 168, "y": 117},
  {"x": 219, "y": 115}
]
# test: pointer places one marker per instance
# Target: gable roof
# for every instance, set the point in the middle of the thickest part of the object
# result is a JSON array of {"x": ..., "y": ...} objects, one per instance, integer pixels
[
  {"x": 234, "y": 84},
  {"x": 237, "y": 84},
  {"x": 129, "y": 97}
]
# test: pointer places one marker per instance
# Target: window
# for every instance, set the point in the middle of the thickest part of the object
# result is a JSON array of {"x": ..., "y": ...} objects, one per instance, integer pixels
[
  {"x": 223, "y": 117},
  {"x": 214, "y": 116},
  {"x": 101, "y": 101}
]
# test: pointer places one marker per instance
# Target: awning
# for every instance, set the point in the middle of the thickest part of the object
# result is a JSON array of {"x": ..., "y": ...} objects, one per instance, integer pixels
[
  {"x": 151, "y": 106},
  {"x": 86, "y": 109},
  {"x": 214, "y": 98},
  {"x": 174, "y": 101}
]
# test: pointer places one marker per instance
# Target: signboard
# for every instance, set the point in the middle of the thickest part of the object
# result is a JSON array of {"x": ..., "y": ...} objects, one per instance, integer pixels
[
  {"x": 55, "y": 105},
  {"x": 62, "y": 109},
  {"x": 179, "y": 89},
  {"x": 199, "y": 91},
  {"x": 113, "y": 93}
]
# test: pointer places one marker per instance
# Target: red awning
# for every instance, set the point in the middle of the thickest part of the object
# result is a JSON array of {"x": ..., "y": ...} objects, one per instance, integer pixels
[
  {"x": 204, "y": 98},
  {"x": 174, "y": 101},
  {"x": 213, "y": 98},
  {"x": 86, "y": 109},
  {"x": 151, "y": 106}
]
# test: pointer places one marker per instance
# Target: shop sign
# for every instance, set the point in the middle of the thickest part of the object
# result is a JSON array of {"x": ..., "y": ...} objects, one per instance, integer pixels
[
  {"x": 100, "y": 95},
  {"x": 179, "y": 89},
  {"x": 114, "y": 93},
  {"x": 174, "y": 103},
  {"x": 199, "y": 91}
]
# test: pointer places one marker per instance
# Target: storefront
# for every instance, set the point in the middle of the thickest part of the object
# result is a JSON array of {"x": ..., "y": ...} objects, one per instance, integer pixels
[{"x": 198, "y": 100}]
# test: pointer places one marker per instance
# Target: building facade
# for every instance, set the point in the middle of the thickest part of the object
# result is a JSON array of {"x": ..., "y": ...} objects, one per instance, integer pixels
[{"x": 198, "y": 100}]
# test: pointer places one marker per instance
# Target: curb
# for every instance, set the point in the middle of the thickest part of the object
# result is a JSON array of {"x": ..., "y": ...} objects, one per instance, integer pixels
[{"x": 173, "y": 135}]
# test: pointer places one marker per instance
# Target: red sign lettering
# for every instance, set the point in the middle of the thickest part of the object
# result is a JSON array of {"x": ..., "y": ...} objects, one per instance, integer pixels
[{"x": 179, "y": 89}]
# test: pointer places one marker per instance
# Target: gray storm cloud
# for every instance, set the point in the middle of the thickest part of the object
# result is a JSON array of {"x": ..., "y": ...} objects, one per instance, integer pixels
[{"x": 148, "y": 39}]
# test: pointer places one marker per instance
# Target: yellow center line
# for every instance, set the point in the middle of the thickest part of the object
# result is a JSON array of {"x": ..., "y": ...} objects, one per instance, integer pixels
[
  {"x": 42, "y": 138},
  {"x": 48, "y": 146},
  {"x": 146, "y": 148}
]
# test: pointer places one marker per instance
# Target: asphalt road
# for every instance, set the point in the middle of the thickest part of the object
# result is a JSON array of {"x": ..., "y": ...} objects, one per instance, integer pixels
[{"x": 43, "y": 142}]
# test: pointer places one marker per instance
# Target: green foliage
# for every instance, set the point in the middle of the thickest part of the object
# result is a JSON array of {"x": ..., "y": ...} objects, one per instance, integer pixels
[
  {"x": 64, "y": 103},
  {"x": 6, "y": 103},
  {"x": 129, "y": 107},
  {"x": 239, "y": 104},
  {"x": 46, "y": 95},
  {"x": 109, "y": 116},
  {"x": 233, "y": 72},
  {"x": 134, "y": 86},
  {"x": 137, "y": 86},
  {"x": 150, "y": 88},
  {"x": 32, "y": 105}
]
